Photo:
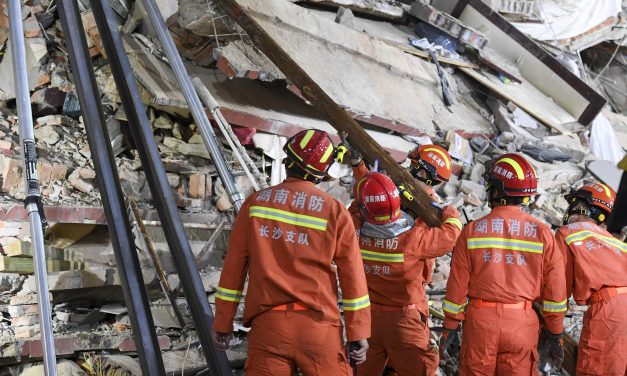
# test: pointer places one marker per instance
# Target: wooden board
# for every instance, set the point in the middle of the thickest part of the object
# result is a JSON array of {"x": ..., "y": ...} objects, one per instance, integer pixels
[
  {"x": 23, "y": 249},
  {"x": 62, "y": 235},
  {"x": 23, "y": 265}
]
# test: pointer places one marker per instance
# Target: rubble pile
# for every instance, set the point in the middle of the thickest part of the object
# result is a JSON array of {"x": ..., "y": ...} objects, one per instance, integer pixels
[{"x": 365, "y": 59}]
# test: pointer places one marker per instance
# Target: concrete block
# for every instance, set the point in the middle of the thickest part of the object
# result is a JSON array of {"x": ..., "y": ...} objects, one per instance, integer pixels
[
  {"x": 23, "y": 310},
  {"x": 449, "y": 25},
  {"x": 26, "y": 331},
  {"x": 472, "y": 188}
]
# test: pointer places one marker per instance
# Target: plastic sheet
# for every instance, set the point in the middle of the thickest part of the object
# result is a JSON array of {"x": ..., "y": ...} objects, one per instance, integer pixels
[{"x": 603, "y": 141}]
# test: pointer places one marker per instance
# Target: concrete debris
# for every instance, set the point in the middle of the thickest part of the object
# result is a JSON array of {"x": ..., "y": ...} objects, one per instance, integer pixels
[
  {"x": 449, "y": 24},
  {"x": 384, "y": 9},
  {"x": 358, "y": 52},
  {"x": 345, "y": 17}
]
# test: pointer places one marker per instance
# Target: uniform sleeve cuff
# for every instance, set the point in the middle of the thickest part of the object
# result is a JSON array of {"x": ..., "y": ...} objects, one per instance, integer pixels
[
  {"x": 357, "y": 334},
  {"x": 220, "y": 327},
  {"x": 451, "y": 324}
]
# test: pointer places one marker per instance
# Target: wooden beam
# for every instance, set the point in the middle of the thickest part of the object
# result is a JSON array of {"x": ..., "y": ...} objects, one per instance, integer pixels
[
  {"x": 24, "y": 265},
  {"x": 22, "y": 248},
  {"x": 333, "y": 113}
]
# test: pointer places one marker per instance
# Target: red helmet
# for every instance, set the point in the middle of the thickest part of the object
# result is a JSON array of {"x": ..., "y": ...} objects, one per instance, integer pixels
[
  {"x": 378, "y": 198},
  {"x": 312, "y": 150},
  {"x": 595, "y": 194},
  {"x": 512, "y": 175},
  {"x": 433, "y": 159}
]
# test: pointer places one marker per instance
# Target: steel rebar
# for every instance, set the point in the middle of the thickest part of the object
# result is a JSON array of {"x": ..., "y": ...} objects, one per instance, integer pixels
[
  {"x": 165, "y": 204},
  {"x": 118, "y": 221}
]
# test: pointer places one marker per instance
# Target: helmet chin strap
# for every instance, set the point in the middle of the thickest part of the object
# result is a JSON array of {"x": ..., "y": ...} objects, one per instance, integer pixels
[
  {"x": 494, "y": 198},
  {"x": 590, "y": 211}
]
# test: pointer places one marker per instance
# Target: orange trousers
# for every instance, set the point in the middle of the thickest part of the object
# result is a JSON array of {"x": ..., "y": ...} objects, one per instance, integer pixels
[
  {"x": 499, "y": 341},
  {"x": 279, "y": 342},
  {"x": 603, "y": 340},
  {"x": 402, "y": 337}
]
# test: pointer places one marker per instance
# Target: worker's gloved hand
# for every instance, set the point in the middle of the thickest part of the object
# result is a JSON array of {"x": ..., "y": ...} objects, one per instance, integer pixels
[
  {"x": 448, "y": 338},
  {"x": 221, "y": 340},
  {"x": 552, "y": 350},
  {"x": 355, "y": 155},
  {"x": 358, "y": 350}
]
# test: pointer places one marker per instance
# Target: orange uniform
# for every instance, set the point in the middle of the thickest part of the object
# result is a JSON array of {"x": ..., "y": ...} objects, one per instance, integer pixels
[
  {"x": 394, "y": 269},
  {"x": 287, "y": 238},
  {"x": 502, "y": 263},
  {"x": 596, "y": 274},
  {"x": 426, "y": 265}
]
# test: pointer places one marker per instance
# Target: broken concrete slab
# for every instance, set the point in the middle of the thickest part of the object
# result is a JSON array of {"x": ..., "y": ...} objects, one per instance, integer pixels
[
  {"x": 324, "y": 48},
  {"x": 540, "y": 70},
  {"x": 386, "y": 9},
  {"x": 7, "y": 85},
  {"x": 448, "y": 24},
  {"x": 236, "y": 59}
]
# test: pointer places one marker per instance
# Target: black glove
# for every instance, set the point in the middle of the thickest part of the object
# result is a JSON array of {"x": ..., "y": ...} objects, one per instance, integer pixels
[
  {"x": 448, "y": 338},
  {"x": 552, "y": 350},
  {"x": 355, "y": 155},
  {"x": 357, "y": 352}
]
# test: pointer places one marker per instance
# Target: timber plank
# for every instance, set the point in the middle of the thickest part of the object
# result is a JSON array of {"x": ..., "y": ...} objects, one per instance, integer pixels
[
  {"x": 24, "y": 265},
  {"x": 24, "y": 249}
]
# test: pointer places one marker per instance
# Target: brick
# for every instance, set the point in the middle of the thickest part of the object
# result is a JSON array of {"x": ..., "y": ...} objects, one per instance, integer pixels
[
  {"x": 87, "y": 173},
  {"x": 197, "y": 186},
  {"x": 27, "y": 299},
  {"x": 82, "y": 185},
  {"x": 59, "y": 172},
  {"x": 24, "y": 321},
  {"x": 23, "y": 310},
  {"x": 129, "y": 344},
  {"x": 44, "y": 170},
  {"x": 6, "y": 145},
  {"x": 26, "y": 331},
  {"x": 11, "y": 173}
]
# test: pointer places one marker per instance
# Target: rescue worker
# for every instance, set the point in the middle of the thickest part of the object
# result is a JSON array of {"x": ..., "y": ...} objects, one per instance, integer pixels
[
  {"x": 501, "y": 264},
  {"x": 287, "y": 238},
  {"x": 596, "y": 275},
  {"x": 393, "y": 247},
  {"x": 431, "y": 165}
]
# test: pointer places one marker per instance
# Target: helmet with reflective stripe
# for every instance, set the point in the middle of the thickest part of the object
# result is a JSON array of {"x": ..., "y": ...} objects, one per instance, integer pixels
[
  {"x": 311, "y": 150},
  {"x": 595, "y": 194},
  {"x": 512, "y": 175},
  {"x": 378, "y": 198},
  {"x": 434, "y": 160}
]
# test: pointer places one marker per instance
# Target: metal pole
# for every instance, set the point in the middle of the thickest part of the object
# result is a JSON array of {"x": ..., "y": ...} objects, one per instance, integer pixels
[
  {"x": 193, "y": 102},
  {"x": 258, "y": 180},
  {"x": 176, "y": 237},
  {"x": 34, "y": 206},
  {"x": 108, "y": 180}
]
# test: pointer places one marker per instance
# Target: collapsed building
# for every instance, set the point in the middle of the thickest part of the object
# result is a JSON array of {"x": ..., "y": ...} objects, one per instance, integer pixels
[{"x": 479, "y": 78}]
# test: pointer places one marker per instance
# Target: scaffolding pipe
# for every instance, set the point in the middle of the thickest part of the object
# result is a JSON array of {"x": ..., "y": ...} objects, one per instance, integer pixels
[
  {"x": 195, "y": 106},
  {"x": 118, "y": 221},
  {"x": 170, "y": 220},
  {"x": 258, "y": 180},
  {"x": 32, "y": 202}
]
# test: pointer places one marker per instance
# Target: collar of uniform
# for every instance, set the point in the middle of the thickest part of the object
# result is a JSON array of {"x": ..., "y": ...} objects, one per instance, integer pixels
[
  {"x": 507, "y": 209},
  {"x": 291, "y": 179},
  {"x": 589, "y": 220}
]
